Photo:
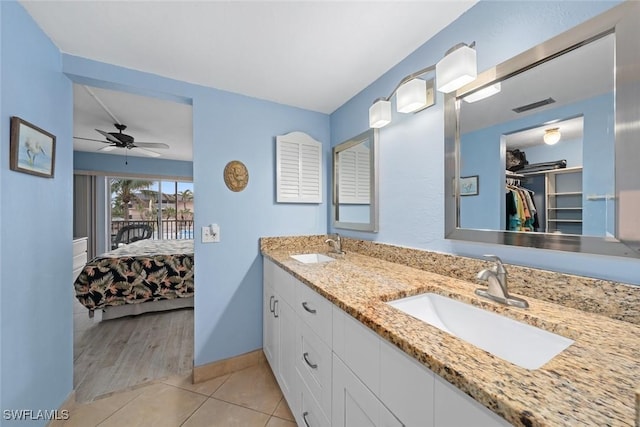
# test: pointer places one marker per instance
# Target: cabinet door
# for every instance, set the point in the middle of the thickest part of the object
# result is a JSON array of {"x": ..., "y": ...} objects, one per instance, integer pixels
[
  {"x": 406, "y": 387},
  {"x": 287, "y": 321},
  {"x": 354, "y": 405},
  {"x": 454, "y": 409},
  {"x": 270, "y": 331}
]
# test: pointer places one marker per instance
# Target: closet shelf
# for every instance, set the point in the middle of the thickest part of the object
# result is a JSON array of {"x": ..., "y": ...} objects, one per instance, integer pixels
[
  {"x": 564, "y": 220},
  {"x": 566, "y": 209},
  {"x": 567, "y": 193}
]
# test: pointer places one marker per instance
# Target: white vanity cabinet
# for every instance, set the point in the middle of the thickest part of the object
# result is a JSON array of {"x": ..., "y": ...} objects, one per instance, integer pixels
[
  {"x": 334, "y": 371},
  {"x": 354, "y": 404},
  {"x": 279, "y": 323}
]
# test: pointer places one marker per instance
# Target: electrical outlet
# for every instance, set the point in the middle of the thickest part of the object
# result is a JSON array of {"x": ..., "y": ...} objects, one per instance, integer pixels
[{"x": 211, "y": 233}]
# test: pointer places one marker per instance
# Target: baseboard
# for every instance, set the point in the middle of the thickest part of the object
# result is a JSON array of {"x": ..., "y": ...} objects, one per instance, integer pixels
[{"x": 227, "y": 366}]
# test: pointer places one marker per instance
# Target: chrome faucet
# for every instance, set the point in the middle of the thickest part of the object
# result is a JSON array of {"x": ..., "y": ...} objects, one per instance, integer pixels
[
  {"x": 497, "y": 290},
  {"x": 336, "y": 244}
]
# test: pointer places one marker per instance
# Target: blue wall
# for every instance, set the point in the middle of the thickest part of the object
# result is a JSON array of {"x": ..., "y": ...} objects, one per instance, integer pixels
[
  {"x": 412, "y": 146},
  {"x": 567, "y": 149},
  {"x": 35, "y": 273},
  {"x": 228, "y": 315}
]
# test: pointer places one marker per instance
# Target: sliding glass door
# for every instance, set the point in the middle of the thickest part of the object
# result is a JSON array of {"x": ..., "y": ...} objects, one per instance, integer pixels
[{"x": 166, "y": 206}]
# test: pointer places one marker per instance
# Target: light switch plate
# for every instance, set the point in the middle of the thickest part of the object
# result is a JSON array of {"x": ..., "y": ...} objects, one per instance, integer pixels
[{"x": 211, "y": 233}]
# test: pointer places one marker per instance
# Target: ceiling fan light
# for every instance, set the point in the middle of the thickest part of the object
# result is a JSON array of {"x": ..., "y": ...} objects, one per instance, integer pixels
[
  {"x": 551, "y": 136},
  {"x": 380, "y": 114},
  {"x": 456, "y": 69},
  {"x": 108, "y": 148},
  {"x": 411, "y": 96}
]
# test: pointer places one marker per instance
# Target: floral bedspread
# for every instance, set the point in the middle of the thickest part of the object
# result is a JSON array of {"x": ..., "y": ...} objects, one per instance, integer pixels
[{"x": 147, "y": 270}]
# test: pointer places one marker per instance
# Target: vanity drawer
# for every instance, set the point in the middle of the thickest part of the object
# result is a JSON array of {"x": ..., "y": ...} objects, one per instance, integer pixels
[
  {"x": 313, "y": 362},
  {"x": 310, "y": 413},
  {"x": 314, "y": 310}
]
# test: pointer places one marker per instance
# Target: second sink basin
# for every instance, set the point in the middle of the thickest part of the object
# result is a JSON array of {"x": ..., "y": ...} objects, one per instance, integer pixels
[
  {"x": 519, "y": 343},
  {"x": 312, "y": 258}
]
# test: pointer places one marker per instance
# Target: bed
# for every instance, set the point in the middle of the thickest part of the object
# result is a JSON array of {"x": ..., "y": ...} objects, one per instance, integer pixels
[{"x": 144, "y": 276}]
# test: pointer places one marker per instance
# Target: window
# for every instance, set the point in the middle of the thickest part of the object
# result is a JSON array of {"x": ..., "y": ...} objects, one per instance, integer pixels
[{"x": 167, "y": 206}]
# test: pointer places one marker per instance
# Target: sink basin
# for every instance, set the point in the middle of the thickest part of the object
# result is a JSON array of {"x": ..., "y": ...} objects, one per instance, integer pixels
[
  {"x": 312, "y": 258},
  {"x": 519, "y": 343}
]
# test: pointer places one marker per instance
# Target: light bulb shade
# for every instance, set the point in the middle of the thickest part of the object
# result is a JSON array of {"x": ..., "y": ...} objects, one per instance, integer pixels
[
  {"x": 456, "y": 69},
  {"x": 551, "y": 136},
  {"x": 484, "y": 93},
  {"x": 380, "y": 114},
  {"x": 411, "y": 96}
]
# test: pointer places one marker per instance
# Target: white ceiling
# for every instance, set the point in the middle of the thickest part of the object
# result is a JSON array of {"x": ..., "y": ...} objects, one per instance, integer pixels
[
  {"x": 314, "y": 55},
  {"x": 147, "y": 120}
]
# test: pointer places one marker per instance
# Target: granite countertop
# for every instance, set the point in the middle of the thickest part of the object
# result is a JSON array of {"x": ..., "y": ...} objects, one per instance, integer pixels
[{"x": 593, "y": 382}]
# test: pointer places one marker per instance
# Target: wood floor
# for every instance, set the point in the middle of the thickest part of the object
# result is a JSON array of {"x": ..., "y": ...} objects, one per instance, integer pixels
[{"x": 122, "y": 353}]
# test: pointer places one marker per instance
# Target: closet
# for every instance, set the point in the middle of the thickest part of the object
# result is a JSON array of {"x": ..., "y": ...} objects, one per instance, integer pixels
[{"x": 558, "y": 198}]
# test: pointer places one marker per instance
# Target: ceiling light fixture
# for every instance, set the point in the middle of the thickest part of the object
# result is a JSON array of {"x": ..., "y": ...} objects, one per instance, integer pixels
[
  {"x": 483, "y": 93},
  {"x": 551, "y": 136},
  {"x": 414, "y": 94}
]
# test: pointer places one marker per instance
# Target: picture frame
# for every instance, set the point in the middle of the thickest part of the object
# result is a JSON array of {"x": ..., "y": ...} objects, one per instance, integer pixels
[
  {"x": 32, "y": 149},
  {"x": 469, "y": 185}
]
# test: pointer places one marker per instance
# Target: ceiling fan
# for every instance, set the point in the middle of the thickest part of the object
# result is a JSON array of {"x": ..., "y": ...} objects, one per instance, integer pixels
[{"x": 122, "y": 140}]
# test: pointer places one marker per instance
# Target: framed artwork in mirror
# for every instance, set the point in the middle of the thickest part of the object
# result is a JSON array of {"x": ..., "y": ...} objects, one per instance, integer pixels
[{"x": 469, "y": 185}]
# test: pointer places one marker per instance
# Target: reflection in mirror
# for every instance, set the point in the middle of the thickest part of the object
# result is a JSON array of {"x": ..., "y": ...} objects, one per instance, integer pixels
[
  {"x": 552, "y": 144},
  {"x": 540, "y": 171},
  {"x": 355, "y": 183}
]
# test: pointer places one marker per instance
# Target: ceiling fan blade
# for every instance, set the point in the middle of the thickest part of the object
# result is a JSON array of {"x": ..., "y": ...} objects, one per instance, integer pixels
[
  {"x": 147, "y": 152},
  {"x": 151, "y": 144},
  {"x": 108, "y": 148},
  {"x": 91, "y": 139},
  {"x": 107, "y": 135}
]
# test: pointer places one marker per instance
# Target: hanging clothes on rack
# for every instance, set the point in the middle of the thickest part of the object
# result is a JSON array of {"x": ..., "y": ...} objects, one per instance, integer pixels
[{"x": 521, "y": 212}]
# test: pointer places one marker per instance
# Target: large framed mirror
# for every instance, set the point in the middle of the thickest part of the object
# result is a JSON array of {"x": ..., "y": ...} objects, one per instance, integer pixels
[
  {"x": 355, "y": 183},
  {"x": 553, "y": 138}
]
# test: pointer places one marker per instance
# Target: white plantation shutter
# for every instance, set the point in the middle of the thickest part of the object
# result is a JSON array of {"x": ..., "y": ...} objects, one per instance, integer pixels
[
  {"x": 354, "y": 172},
  {"x": 298, "y": 169}
]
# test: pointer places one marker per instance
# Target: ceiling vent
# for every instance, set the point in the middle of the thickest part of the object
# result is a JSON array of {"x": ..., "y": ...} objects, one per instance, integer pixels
[{"x": 534, "y": 105}]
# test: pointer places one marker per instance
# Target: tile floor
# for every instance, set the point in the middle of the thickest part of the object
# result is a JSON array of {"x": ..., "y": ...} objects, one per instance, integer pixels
[{"x": 246, "y": 398}]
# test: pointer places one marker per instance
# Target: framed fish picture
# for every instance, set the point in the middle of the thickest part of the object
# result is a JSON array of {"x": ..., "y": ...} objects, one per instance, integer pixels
[{"x": 32, "y": 149}]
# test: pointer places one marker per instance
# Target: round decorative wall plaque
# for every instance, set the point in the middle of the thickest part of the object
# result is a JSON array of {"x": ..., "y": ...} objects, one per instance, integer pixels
[{"x": 236, "y": 175}]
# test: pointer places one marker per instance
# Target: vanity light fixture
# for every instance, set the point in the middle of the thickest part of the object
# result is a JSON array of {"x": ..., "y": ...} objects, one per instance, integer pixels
[
  {"x": 414, "y": 94},
  {"x": 380, "y": 113},
  {"x": 411, "y": 96},
  {"x": 551, "y": 136},
  {"x": 483, "y": 93},
  {"x": 457, "y": 68}
]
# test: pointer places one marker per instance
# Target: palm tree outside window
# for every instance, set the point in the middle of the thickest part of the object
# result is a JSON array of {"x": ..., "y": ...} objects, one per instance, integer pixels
[{"x": 167, "y": 206}]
